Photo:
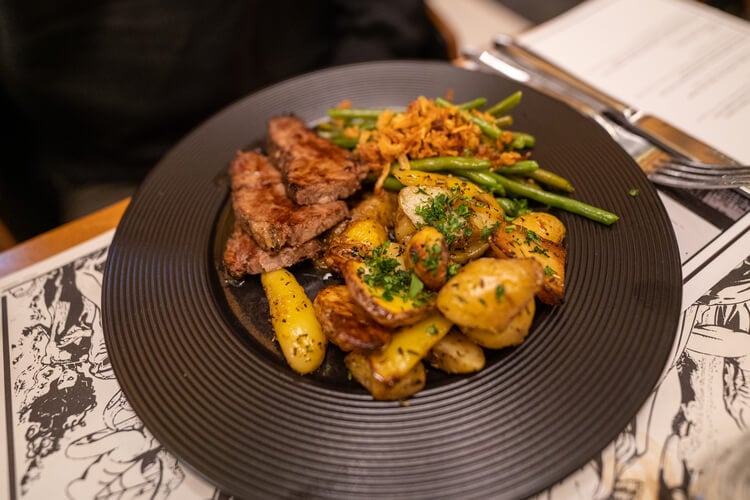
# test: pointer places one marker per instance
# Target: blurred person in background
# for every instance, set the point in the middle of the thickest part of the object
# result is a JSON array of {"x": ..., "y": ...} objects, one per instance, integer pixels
[{"x": 93, "y": 93}]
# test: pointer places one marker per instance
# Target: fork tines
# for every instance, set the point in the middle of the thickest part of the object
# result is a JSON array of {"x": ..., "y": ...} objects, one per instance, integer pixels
[{"x": 690, "y": 174}]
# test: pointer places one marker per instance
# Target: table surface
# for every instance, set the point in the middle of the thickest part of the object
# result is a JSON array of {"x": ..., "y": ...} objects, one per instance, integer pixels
[{"x": 61, "y": 238}]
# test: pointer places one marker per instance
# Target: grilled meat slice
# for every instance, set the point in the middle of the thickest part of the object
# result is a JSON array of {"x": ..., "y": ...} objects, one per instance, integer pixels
[
  {"x": 315, "y": 169},
  {"x": 243, "y": 256},
  {"x": 263, "y": 209}
]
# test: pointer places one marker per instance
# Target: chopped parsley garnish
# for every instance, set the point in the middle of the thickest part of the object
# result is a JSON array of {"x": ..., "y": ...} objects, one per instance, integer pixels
[
  {"x": 385, "y": 273},
  {"x": 548, "y": 271},
  {"x": 487, "y": 231},
  {"x": 453, "y": 269},
  {"x": 440, "y": 213},
  {"x": 499, "y": 292}
]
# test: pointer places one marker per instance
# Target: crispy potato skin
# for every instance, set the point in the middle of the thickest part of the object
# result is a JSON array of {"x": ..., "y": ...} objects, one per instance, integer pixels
[
  {"x": 390, "y": 313},
  {"x": 427, "y": 255},
  {"x": 512, "y": 335},
  {"x": 345, "y": 323},
  {"x": 527, "y": 237},
  {"x": 412, "y": 382},
  {"x": 297, "y": 329},
  {"x": 456, "y": 353},
  {"x": 487, "y": 293}
]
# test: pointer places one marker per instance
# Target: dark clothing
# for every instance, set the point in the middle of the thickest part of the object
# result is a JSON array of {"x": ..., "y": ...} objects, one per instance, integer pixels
[{"x": 97, "y": 91}]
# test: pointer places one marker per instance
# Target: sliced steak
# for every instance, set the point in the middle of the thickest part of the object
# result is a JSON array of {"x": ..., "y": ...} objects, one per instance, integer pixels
[
  {"x": 243, "y": 256},
  {"x": 262, "y": 208},
  {"x": 315, "y": 169}
]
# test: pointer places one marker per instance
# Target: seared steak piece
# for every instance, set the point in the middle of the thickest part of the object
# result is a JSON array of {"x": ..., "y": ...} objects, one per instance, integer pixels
[
  {"x": 243, "y": 256},
  {"x": 315, "y": 169},
  {"x": 262, "y": 208}
]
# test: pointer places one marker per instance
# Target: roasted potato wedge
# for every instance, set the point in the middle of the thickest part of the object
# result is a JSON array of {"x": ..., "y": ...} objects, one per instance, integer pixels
[
  {"x": 487, "y": 293},
  {"x": 358, "y": 239},
  {"x": 427, "y": 254},
  {"x": 388, "y": 308},
  {"x": 409, "y": 384},
  {"x": 345, "y": 323},
  {"x": 411, "y": 198},
  {"x": 380, "y": 207},
  {"x": 520, "y": 239},
  {"x": 483, "y": 204},
  {"x": 407, "y": 347},
  {"x": 456, "y": 353},
  {"x": 403, "y": 228},
  {"x": 513, "y": 334},
  {"x": 297, "y": 329},
  {"x": 459, "y": 209},
  {"x": 544, "y": 224}
]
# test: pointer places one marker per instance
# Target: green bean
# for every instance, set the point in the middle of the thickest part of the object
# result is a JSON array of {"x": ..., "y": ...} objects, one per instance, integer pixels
[
  {"x": 392, "y": 184},
  {"x": 522, "y": 140},
  {"x": 473, "y": 104},
  {"x": 349, "y": 114},
  {"x": 508, "y": 205},
  {"x": 502, "y": 107},
  {"x": 514, "y": 207},
  {"x": 555, "y": 200},
  {"x": 482, "y": 179},
  {"x": 551, "y": 180},
  {"x": 504, "y": 121},
  {"x": 439, "y": 163},
  {"x": 487, "y": 128},
  {"x": 345, "y": 142},
  {"x": 523, "y": 167}
]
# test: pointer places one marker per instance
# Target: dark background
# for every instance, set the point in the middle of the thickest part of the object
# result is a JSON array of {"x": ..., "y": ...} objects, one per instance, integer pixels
[{"x": 94, "y": 92}]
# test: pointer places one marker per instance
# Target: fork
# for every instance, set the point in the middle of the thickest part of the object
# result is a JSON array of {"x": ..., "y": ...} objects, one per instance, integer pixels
[{"x": 690, "y": 174}]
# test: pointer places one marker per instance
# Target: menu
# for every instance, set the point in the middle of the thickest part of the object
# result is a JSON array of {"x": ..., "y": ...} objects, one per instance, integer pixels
[{"x": 680, "y": 60}]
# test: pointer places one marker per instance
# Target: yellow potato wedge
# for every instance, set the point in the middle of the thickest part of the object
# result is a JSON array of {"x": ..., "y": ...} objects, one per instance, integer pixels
[
  {"x": 462, "y": 211},
  {"x": 380, "y": 207},
  {"x": 427, "y": 254},
  {"x": 544, "y": 224},
  {"x": 456, "y": 353},
  {"x": 412, "y": 382},
  {"x": 513, "y": 334},
  {"x": 390, "y": 309},
  {"x": 487, "y": 293},
  {"x": 297, "y": 329},
  {"x": 345, "y": 323},
  {"x": 403, "y": 228},
  {"x": 407, "y": 347},
  {"x": 482, "y": 201},
  {"x": 517, "y": 241},
  {"x": 358, "y": 239}
]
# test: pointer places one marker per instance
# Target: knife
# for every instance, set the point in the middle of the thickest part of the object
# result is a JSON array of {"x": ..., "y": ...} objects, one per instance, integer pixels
[{"x": 657, "y": 131}]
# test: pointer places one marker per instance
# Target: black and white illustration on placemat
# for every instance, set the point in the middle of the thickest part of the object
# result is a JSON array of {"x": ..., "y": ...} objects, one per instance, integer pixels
[
  {"x": 72, "y": 429},
  {"x": 699, "y": 410}
]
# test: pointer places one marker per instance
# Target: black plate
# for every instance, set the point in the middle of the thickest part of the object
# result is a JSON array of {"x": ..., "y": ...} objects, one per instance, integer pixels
[{"x": 196, "y": 371}]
